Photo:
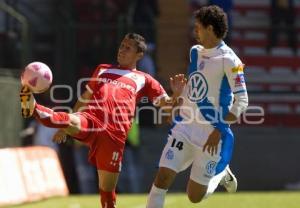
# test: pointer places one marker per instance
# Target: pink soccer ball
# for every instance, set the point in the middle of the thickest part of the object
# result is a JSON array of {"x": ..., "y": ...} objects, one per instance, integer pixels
[{"x": 37, "y": 76}]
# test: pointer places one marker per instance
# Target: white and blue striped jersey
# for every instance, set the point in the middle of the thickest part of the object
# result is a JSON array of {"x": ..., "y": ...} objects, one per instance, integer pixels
[{"x": 215, "y": 80}]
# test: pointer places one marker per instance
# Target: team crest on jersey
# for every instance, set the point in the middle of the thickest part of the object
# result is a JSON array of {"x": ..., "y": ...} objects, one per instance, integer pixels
[
  {"x": 210, "y": 167},
  {"x": 170, "y": 154},
  {"x": 134, "y": 77},
  {"x": 197, "y": 87}
]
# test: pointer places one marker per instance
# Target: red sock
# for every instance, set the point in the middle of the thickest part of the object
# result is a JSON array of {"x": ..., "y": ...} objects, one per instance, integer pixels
[
  {"x": 49, "y": 118},
  {"x": 108, "y": 199}
]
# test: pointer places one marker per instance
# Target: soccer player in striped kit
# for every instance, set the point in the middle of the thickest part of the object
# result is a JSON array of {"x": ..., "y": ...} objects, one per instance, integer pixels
[{"x": 201, "y": 135}]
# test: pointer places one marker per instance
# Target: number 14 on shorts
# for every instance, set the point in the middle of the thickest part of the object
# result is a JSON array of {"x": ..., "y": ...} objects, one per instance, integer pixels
[{"x": 177, "y": 144}]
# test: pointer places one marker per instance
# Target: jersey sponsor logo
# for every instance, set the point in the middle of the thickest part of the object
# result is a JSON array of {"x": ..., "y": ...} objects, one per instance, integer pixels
[
  {"x": 170, "y": 154},
  {"x": 117, "y": 83},
  {"x": 197, "y": 87},
  {"x": 210, "y": 167},
  {"x": 239, "y": 80}
]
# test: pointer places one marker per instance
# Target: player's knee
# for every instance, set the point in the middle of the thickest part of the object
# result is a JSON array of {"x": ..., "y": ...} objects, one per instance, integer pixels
[
  {"x": 164, "y": 179},
  {"x": 74, "y": 125},
  {"x": 195, "y": 197},
  {"x": 75, "y": 121}
]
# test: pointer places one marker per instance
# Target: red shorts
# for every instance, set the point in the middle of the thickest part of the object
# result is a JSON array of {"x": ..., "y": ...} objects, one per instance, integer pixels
[{"x": 105, "y": 153}]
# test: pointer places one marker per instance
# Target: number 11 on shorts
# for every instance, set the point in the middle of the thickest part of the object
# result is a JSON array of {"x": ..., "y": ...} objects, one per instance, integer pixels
[
  {"x": 114, "y": 159},
  {"x": 115, "y": 156}
]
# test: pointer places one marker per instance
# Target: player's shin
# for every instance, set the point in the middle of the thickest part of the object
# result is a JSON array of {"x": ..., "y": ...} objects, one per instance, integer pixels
[
  {"x": 156, "y": 198},
  {"x": 108, "y": 199},
  {"x": 49, "y": 118}
]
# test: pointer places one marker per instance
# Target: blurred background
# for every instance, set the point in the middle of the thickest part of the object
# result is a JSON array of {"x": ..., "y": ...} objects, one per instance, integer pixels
[{"x": 73, "y": 36}]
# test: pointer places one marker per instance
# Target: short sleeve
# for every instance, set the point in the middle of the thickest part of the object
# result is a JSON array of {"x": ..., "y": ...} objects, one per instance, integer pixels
[{"x": 153, "y": 90}]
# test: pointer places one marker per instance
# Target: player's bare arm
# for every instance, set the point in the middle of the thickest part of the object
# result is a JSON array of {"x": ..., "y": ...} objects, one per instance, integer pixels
[
  {"x": 213, "y": 140},
  {"x": 177, "y": 84},
  {"x": 85, "y": 96}
]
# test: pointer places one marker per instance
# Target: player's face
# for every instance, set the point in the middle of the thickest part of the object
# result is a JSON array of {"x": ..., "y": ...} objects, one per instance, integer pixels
[
  {"x": 200, "y": 32},
  {"x": 127, "y": 54}
]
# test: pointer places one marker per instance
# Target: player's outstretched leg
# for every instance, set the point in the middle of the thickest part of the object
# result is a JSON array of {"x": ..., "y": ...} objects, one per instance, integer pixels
[
  {"x": 44, "y": 115},
  {"x": 50, "y": 118}
]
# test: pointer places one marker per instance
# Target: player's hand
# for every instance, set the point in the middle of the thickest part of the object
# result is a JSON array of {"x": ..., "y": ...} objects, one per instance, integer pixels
[
  {"x": 177, "y": 84},
  {"x": 212, "y": 142},
  {"x": 230, "y": 118},
  {"x": 60, "y": 137}
]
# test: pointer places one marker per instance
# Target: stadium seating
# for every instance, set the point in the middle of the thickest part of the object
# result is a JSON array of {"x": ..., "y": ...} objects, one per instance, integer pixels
[{"x": 273, "y": 77}]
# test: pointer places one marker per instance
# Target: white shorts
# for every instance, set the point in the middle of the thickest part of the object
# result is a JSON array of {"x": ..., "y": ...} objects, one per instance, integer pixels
[{"x": 179, "y": 153}]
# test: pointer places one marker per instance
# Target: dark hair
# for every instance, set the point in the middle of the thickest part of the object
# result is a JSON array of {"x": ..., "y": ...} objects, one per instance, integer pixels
[
  {"x": 214, "y": 16},
  {"x": 139, "y": 40}
]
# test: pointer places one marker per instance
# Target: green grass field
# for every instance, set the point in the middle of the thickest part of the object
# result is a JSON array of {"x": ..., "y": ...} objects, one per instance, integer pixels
[{"x": 218, "y": 200}]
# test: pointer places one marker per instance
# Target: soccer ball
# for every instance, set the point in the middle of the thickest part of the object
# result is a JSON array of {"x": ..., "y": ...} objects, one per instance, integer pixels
[{"x": 37, "y": 76}]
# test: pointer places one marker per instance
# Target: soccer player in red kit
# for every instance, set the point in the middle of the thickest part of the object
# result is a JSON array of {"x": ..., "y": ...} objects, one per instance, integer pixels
[{"x": 105, "y": 110}]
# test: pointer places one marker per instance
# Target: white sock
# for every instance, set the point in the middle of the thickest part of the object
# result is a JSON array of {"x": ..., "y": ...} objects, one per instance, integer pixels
[
  {"x": 156, "y": 197},
  {"x": 213, "y": 183}
]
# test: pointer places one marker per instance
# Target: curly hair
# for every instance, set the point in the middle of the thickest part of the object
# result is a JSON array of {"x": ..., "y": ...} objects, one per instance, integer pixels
[{"x": 214, "y": 16}]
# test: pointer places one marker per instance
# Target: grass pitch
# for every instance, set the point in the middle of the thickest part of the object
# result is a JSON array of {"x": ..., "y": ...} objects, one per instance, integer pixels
[{"x": 217, "y": 200}]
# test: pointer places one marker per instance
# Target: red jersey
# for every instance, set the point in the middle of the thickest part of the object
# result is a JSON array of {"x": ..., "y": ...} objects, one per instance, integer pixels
[{"x": 115, "y": 92}]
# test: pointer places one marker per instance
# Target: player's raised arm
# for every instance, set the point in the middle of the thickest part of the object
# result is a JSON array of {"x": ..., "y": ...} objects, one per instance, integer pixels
[
  {"x": 177, "y": 84},
  {"x": 235, "y": 75},
  {"x": 157, "y": 94}
]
